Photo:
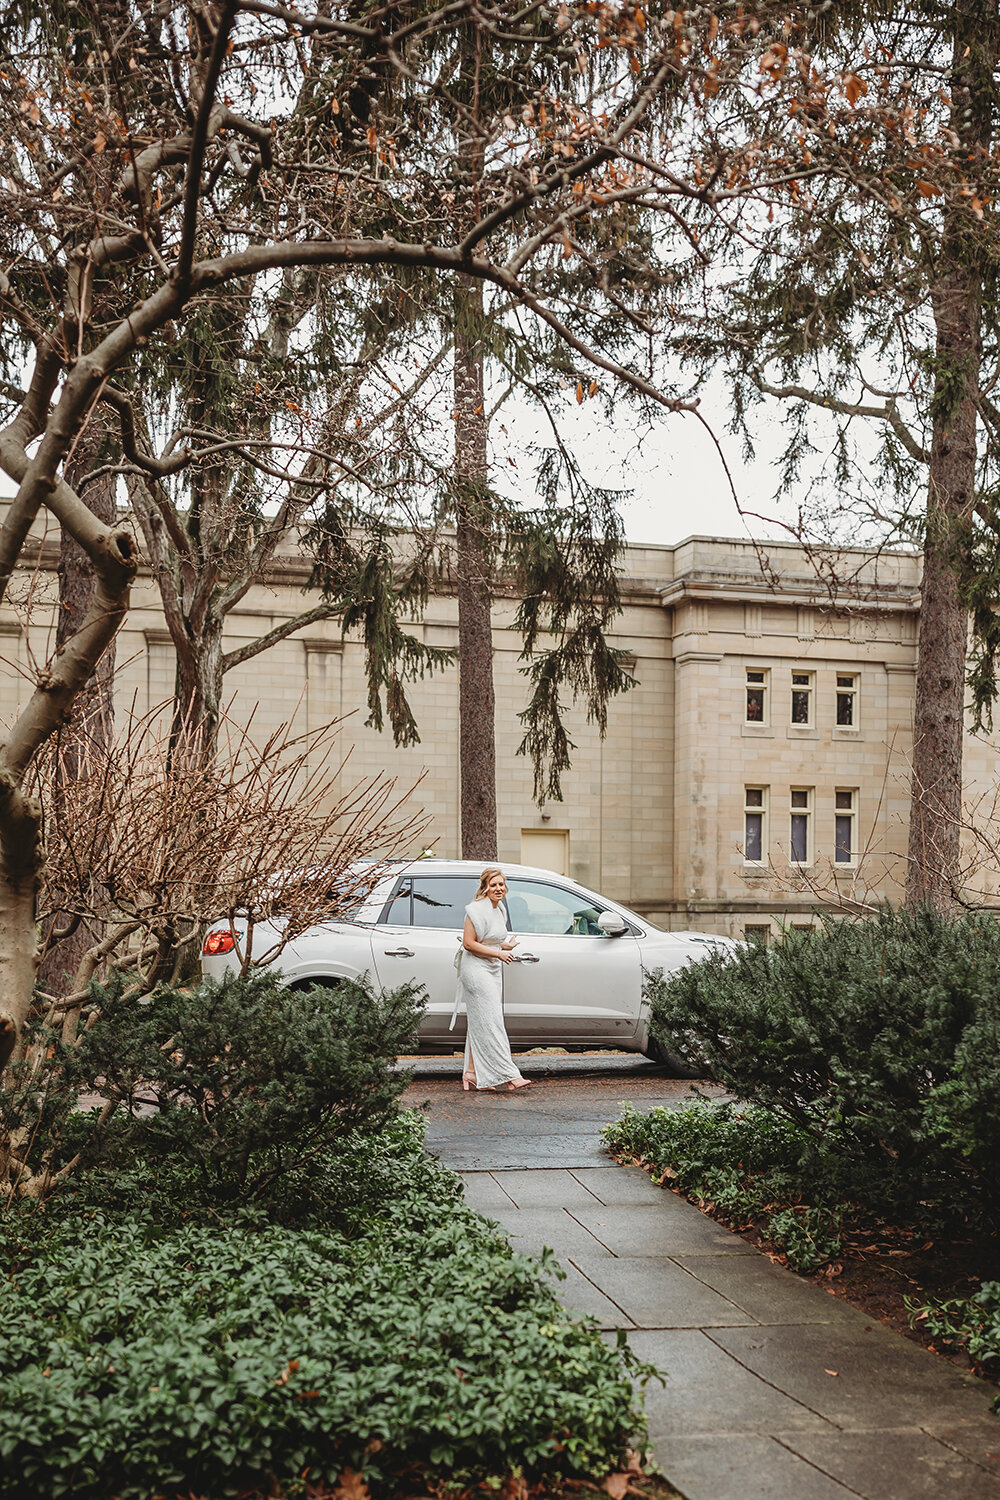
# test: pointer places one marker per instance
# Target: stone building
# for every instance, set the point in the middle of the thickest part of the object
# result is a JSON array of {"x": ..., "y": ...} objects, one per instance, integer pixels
[{"x": 756, "y": 774}]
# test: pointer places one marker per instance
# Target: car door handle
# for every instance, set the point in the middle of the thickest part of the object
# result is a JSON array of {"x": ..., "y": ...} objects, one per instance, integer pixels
[
  {"x": 527, "y": 958},
  {"x": 398, "y": 952}
]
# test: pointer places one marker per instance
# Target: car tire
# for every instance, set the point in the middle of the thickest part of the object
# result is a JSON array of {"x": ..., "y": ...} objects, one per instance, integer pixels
[
  {"x": 302, "y": 986},
  {"x": 675, "y": 1065}
]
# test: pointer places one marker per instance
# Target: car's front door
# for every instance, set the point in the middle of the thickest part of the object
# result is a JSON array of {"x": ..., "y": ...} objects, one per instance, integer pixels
[
  {"x": 417, "y": 941},
  {"x": 570, "y": 983}
]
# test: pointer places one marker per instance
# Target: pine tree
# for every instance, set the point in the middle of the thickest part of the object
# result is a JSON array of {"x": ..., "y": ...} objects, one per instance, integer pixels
[{"x": 870, "y": 292}]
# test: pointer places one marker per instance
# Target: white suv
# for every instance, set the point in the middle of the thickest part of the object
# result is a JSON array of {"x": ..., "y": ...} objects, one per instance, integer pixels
[{"x": 579, "y": 970}]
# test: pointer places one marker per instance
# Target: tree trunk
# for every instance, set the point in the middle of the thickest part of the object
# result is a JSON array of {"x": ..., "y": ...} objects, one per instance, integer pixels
[
  {"x": 477, "y": 708},
  {"x": 82, "y": 741},
  {"x": 939, "y": 708},
  {"x": 20, "y": 878},
  {"x": 198, "y": 693}
]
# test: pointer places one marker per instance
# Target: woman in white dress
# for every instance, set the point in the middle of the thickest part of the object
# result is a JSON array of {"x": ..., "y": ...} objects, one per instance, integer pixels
[{"x": 486, "y": 945}]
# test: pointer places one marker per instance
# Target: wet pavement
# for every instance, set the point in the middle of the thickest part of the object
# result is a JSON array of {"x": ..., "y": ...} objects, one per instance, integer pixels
[
  {"x": 555, "y": 1122},
  {"x": 773, "y": 1389}
]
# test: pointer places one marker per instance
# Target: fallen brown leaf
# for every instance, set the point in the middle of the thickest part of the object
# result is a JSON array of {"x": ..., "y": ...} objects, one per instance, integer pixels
[{"x": 352, "y": 1486}]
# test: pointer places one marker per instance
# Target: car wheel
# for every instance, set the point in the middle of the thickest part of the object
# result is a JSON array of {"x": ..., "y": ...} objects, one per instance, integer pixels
[
  {"x": 675, "y": 1065},
  {"x": 302, "y": 986}
]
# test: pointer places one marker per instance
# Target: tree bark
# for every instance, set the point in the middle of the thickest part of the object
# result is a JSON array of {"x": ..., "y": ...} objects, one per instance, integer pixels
[
  {"x": 198, "y": 705},
  {"x": 476, "y": 698},
  {"x": 86, "y": 734},
  {"x": 939, "y": 707}
]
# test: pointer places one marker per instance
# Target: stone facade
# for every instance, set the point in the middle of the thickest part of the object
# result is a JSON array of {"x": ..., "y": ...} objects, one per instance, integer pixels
[{"x": 659, "y": 814}]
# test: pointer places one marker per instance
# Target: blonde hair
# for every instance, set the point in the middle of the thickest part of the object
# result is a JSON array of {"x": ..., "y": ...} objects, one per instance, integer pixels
[{"x": 486, "y": 877}]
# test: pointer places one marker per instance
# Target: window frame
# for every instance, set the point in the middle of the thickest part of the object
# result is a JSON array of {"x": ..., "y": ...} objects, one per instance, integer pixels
[
  {"x": 751, "y": 810},
  {"x": 764, "y": 688},
  {"x": 805, "y": 811},
  {"x": 854, "y": 693},
  {"x": 810, "y": 690},
  {"x": 851, "y": 814}
]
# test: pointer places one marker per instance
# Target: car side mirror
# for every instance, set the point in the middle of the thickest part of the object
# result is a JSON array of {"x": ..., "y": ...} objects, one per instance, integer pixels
[{"x": 611, "y": 924}]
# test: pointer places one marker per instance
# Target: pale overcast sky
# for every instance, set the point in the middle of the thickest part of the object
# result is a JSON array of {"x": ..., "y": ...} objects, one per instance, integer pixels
[{"x": 678, "y": 484}]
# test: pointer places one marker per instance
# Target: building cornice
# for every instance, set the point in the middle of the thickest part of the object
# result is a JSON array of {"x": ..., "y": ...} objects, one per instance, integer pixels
[{"x": 745, "y": 591}]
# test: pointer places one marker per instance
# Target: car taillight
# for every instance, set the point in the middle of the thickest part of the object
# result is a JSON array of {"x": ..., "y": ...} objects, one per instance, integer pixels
[{"x": 219, "y": 942}]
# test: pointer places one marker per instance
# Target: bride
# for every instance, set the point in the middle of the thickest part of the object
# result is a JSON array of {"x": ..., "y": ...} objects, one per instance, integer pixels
[{"x": 486, "y": 945}]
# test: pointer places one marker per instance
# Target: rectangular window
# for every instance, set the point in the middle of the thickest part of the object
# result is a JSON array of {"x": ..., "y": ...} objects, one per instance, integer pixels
[
  {"x": 757, "y": 934},
  {"x": 440, "y": 900},
  {"x": 755, "y": 825},
  {"x": 845, "y": 841},
  {"x": 800, "y": 830},
  {"x": 802, "y": 697},
  {"x": 757, "y": 705},
  {"x": 847, "y": 700}
]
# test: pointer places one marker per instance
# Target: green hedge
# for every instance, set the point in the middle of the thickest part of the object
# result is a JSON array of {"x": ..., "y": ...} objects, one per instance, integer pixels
[
  {"x": 878, "y": 1040},
  {"x": 749, "y": 1164},
  {"x": 224, "y": 1093},
  {"x": 140, "y": 1359}
]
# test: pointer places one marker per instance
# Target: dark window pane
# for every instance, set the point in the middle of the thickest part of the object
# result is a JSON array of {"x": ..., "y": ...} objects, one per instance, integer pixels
[
  {"x": 845, "y": 799},
  {"x": 755, "y": 705},
  {"x": 754, "y": 844},
  {"x": 843, "y": 839},
  {"x": 755, "y": 677},
  {"x": 757, "y": 935},
  {"x": 397, "y": 913},
  {"x": 845, "y": 708},
  {"x": 755, "y": 796},
  {"x": 441, "y": 901},
  {"x": 800, "y": 799},
  {"x": 800, "y": 679},
  {"x": 800, "y": 838},
  {"x": 800, "y": 707}
]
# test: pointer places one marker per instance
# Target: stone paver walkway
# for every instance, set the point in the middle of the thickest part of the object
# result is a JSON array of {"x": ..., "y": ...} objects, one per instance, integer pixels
[{"x": 775, "y": 1389}]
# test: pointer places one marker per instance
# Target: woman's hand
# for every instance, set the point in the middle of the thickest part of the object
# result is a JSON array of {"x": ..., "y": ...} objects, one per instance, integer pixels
[
  {"x": 504, "y": 955},
  {"x": 510, "y": 942}
]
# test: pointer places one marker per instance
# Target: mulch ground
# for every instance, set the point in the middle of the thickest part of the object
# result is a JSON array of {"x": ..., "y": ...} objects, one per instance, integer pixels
[{"x": 631, "y": 1483}]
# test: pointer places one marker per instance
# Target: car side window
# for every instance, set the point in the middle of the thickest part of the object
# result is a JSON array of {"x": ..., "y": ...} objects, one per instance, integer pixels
[
  {"x": 538, "y": 908},
  {"x": 440, "y": 901},
  {"x": 397, "y": 912}
]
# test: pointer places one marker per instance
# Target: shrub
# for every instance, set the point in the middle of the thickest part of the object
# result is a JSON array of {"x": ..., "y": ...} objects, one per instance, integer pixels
[
  {"x": 239, "y": 1087},
  {"x": 748, "y": 1163},
  {"x": 970, "y": 1323},
  {"x": 879, "y": 1040},
  {"x": 141, "y": 1361}
]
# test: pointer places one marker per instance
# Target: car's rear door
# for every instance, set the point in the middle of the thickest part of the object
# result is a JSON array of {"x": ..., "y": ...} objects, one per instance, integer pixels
[
  {"x": 570, "y": 984},
  {"x": 417, "y": 940}
]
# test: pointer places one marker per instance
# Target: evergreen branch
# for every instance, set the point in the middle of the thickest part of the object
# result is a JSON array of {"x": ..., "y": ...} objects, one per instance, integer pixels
[
  {"x": 885, "y": 413},
  {"x": 563, "y": 175}
]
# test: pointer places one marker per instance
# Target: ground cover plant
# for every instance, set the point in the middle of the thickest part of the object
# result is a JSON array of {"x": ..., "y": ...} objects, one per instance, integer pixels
[
  {"x": 863, "y": 1143},
  {"x": 202, "y": 1357},
  {"x": 257, "y": 1280}
]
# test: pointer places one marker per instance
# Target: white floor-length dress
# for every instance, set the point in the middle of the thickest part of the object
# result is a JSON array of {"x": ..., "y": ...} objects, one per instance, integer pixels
[{"x": 480, "y": 981}]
